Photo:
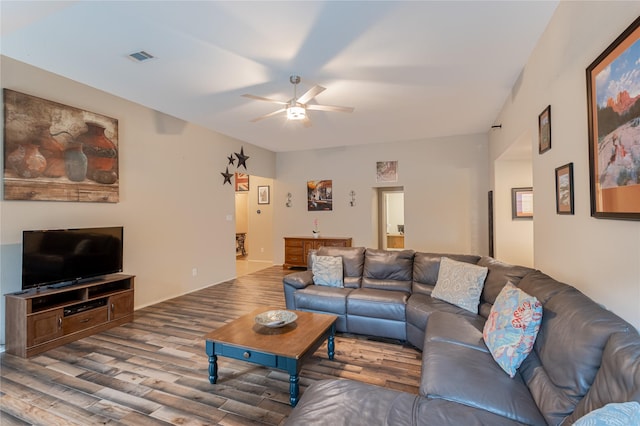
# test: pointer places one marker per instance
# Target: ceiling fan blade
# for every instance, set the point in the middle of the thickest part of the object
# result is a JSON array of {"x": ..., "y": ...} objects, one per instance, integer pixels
[
  {"x": 310, "y": 94},
  {"x": 260, "y": 98},
  {"x": 330, "y": 108},
  {"x": 271, "y": 114}
]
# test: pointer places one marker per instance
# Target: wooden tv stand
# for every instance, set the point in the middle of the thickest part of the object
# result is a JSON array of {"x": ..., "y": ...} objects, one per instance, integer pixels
[{"x": 39, "y": 320}]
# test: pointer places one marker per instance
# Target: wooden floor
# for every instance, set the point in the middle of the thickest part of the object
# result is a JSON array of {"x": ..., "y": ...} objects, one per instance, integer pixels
[{"x": 154, "y": 371}]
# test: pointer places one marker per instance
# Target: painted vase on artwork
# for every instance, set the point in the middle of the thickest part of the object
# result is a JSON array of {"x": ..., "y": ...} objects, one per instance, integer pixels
[
  {"x": 27, "y": 161},
  {"x": 75, "y": 163},
  {"x": 53, "y": 150},
  {"x": 101, "y": 154}
]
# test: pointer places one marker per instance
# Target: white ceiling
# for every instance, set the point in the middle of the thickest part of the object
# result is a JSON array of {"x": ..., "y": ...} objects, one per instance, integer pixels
[{"x": 412, "y": 70}]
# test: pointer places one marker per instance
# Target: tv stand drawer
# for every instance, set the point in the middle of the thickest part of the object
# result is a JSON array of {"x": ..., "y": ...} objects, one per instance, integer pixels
[{"x": 83, "y": 320}]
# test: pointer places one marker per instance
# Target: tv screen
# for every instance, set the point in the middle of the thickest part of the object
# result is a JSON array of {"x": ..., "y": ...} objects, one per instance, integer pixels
[{"x": 67, "y": 256}]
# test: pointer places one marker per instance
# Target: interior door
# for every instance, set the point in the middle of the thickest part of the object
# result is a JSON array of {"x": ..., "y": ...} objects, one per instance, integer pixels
[{"x": 391, "y": 231}]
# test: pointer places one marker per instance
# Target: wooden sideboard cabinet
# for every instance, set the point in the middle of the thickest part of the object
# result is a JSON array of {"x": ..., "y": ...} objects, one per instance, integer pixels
[
  {"x": 296, "y": 249},
  {"x": 37, "y": 321}
]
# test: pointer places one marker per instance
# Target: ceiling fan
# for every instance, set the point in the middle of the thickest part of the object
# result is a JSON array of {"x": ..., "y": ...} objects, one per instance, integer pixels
[{"x": 296, "y": 107}]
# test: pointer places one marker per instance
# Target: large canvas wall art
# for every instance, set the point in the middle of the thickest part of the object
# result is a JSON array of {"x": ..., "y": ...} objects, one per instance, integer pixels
[
  {"x": 319, "y": 195},
  {"x": 613, "y": 95},
  {"x": 54, "y": 152}
]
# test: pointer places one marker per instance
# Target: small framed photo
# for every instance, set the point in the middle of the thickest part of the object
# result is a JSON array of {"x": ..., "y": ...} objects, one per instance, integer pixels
[
  {"x": 544, "y": 130},
  {"x": 522, "y": 203},
  {"x": 263, "y": 195},
  {"x": 564, "y": 189},
  {"x": 386, "y": 171}
]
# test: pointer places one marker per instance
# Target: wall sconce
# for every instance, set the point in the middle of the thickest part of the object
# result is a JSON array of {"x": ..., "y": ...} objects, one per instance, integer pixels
[
  {"x": 352, "y": 196},
  {"x": 288, "y": 203}
]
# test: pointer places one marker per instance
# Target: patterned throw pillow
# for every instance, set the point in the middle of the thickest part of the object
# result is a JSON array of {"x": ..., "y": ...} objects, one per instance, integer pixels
[
  {"x": 512, "y": 327},
  {"x": 460, "y": 283},
  {"x": 327, "y": 270},
  {"x": 614, "y": 414}
]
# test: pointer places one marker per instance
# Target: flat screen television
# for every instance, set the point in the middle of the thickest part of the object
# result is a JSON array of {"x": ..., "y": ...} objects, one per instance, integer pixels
[{"x": 68, "y": 256}]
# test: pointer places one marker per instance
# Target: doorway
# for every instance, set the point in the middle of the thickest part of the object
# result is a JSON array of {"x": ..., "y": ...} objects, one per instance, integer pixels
[
  {"x": 254, "y": 225},
  {"x": 391, "y": 230}
]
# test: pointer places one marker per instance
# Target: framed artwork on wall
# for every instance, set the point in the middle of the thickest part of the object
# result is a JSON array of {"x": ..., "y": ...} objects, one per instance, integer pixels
[
  {"x": 613, "y": 102},
  {"x": 564, "y": 189},
  {"x": 522, "y": 203},
  {"x": 386, "y": 171},
  {"x": 55, "y": 152},
  {"x": 319, "y": 195},
  {"x": 242, "y": 182},
  {"x": 490, "y": 217},
  {"x": 544, "y": 130},
  {"x": 263, "y": 195}
]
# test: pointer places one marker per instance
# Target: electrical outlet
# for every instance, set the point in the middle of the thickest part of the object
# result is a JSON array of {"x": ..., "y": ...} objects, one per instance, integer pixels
[
  {"x": 261, "y": 249},
  {"x": 194, "y": 272}
]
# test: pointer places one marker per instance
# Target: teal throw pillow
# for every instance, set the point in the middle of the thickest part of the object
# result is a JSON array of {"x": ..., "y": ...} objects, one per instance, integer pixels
[{"x": 614, "y": 414}]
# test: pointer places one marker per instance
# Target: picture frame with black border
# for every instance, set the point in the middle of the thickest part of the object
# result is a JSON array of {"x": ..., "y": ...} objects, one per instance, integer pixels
[
  {"x": 522, "y": 203},
  {"x": 564, "y": 189},
  {"x": 613, "y": 128},
  {"x": 264, "y": 196},
  {"x": 544, "y": 130}
]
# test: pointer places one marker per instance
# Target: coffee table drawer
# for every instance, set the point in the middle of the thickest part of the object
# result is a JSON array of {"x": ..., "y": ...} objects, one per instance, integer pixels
[{"x": 267, "y": 360}]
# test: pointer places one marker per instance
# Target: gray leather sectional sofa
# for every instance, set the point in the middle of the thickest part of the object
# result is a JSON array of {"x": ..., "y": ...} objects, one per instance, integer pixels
[{"x": 584, "y": 356}]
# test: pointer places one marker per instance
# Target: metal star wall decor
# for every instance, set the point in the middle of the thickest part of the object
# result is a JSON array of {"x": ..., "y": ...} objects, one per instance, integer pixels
[
  {"x": 227, "y": 176},
  {"x": 242, "y": 159},
  {"x": 231, "y": 160}
]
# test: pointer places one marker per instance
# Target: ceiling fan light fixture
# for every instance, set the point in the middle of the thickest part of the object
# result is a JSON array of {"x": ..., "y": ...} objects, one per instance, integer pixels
[{"x": 296, "y": 113}]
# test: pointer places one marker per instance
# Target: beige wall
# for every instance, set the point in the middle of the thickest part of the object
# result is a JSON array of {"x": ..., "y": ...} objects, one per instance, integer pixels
[
  {"x": 242, "y": 213},
  {"x": 445, "y": 184},
  {"x": 513, "y": 238},
  {"x": 600, "y": 257},
  {"x": 173, "y": 204}
]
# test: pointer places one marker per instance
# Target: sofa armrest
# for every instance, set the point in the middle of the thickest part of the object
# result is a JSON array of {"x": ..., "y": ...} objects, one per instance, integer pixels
[
  {"x": 293, "y": 282},
  {"x": 300, "y": 279}
]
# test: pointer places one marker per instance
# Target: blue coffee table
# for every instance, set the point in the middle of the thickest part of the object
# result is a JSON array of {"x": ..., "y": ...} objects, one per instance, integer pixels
[{"x": 283, "y": 348}]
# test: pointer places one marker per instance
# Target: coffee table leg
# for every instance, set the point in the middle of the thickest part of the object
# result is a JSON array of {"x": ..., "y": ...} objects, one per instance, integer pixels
[
  {"x": 213, "y": 369},
  {"x": 331, "y": 349},
  {"x": 294, "y": 389}
]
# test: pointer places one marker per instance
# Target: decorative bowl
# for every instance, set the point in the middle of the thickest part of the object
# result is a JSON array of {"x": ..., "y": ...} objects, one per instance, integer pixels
[{"x": 275, "y": 319}]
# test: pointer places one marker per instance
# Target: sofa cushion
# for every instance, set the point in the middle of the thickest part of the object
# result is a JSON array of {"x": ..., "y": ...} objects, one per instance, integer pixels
[
  {"x": 327, "y": 270},
  {"x": 498, "y": 275},
  {"x": 351, "y": 403},
  {"x": 440, "y": 412},
  {"x": 458, "y": 329},
  {"x": 420, "y": 307},
  {"x": 352, "y": 263},
  {"x": 460, "y": 283},
  {"x": 388, "y": 269},
  {"x": 621, "y": 354},
  {"x": 569, "y": 347},
  {"x": 383, "y": 304},
  {"x": 347, "y": 403},
  {"x": 512, "y": 327},
  {"x": 624, "y": 413},
  {"x": 426, "y": 267},
  {"x": 471, "y": 377},
  {"x": 324, "y": 299}
]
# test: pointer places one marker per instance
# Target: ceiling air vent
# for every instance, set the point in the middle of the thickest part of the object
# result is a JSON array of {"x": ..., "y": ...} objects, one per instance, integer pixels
[{"x": 141, "y": 56}]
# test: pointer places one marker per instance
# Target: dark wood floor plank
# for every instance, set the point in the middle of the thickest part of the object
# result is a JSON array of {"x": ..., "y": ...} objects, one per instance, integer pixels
[{"x": 154, "y": 370}]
